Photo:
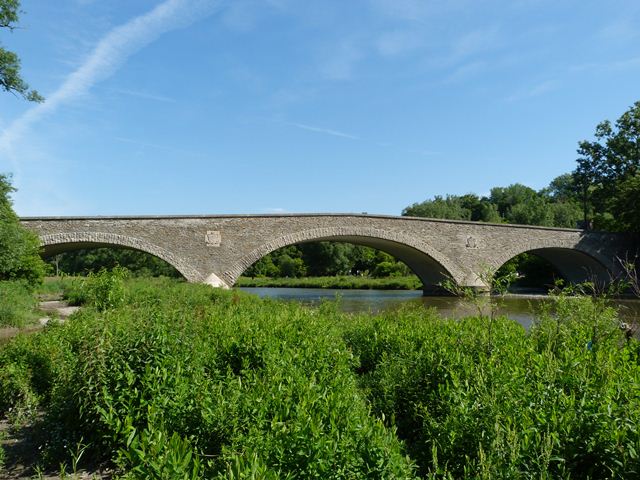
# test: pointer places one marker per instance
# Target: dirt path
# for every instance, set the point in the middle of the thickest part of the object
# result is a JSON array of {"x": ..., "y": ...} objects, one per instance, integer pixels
[{"x": 50, "y": 309}]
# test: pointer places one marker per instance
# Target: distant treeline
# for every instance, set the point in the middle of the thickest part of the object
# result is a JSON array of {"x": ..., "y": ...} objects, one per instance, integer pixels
[
  {"x": 83, "y": 262},
  {"x": 554, "y": 206}
]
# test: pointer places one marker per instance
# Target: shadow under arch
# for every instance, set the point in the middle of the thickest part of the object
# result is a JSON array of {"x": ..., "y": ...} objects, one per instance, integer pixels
[
  {"x": 428, "y": 264},
  {"x": 64, "y": 242},
  {"x": 574, "y": 265}
]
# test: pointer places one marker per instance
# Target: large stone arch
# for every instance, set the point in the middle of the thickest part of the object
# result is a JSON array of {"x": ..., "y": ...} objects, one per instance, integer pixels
[
  {"x": 61, "y": 242},
  {"x": 576, "y": 261},
  {"x": 424, "y": 260}
]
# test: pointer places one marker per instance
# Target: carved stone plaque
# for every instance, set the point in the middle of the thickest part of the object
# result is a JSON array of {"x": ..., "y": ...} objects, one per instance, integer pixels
[
  {"x": 471, "y": 242},
  {"x": 213, "y": 238}
]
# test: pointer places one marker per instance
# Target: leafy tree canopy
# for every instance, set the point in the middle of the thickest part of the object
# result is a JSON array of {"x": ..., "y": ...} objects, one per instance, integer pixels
[
  {"x": 605, "y": 167},
  {"x": 10, "y": 78},
  {"x": 19, "y": 248},
  {"x": 554, "y": 206}
]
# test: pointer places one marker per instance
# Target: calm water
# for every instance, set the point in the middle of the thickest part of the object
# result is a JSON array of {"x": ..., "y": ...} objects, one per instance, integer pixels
[{"x": 518, "y": 307}]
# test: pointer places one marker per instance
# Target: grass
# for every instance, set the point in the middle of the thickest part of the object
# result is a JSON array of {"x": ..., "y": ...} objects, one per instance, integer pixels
[
  {"x": 410, "y": 282},
  {"x": 176, "y": 380}
]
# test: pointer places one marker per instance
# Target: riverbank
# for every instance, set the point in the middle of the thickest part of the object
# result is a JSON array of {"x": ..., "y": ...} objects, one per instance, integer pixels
[{"x": 345, "y": 282}]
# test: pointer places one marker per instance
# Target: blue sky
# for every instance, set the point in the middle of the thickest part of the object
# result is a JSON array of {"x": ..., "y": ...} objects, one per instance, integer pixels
[{"x": 266, "y": 106}]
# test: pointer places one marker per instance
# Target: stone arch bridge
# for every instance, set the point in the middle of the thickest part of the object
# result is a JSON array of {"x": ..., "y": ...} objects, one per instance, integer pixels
[{"x": 216, "y": 249}]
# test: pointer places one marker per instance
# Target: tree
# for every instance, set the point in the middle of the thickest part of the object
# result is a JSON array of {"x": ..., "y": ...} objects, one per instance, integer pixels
[
  {"x": 505, "y": 198},
  {"x": 449, "y": 207},
  {"x": 605, "y": 164},
  {"x": 627, "y": 203},
  {"x": 10, "y": 79},
  {"x": 19, "y": 248}
]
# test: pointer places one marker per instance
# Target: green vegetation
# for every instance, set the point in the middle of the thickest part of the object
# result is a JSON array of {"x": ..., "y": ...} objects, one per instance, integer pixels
[
  {"x": 185, "y": 381},
  {"x": 10, "y": 79},
  {"x": 410, "y": 282},
  {"x": 85, "y": 261},
  {"x": 327, "y": 259},
  {"x": 18, "y": 304},
  {"x": 554, "y": 206},
  {"x": 608, "y": 174},
  {"x": 21, "y": 268},
  {"x": 19, "y": 248}
]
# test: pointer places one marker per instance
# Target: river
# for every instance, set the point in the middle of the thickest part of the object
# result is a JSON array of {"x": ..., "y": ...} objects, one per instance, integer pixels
[{"x": 521, "y": 308}]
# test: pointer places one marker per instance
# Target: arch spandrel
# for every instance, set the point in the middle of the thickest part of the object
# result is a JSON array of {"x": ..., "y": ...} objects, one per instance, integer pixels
[
  {"x": 373, "y": 237},
  {"x": 60, "y": 242}
]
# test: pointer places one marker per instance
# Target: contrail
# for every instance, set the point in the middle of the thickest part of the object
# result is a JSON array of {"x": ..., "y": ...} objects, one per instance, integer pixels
[{"x": 105, "y": 59}]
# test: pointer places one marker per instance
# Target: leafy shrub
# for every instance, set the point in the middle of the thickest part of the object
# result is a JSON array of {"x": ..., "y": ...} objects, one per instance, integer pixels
[{"x": 103, "y": 290}]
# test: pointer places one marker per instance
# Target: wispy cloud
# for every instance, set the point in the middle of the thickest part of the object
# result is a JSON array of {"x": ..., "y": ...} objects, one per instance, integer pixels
[
  {"x": 341, "y": 63},
  {"x": 424, "y": 153},
  {"x": 633, "y": 62},
  {"x": 465, "y": 71},
  {"x": 155, "y": 146},
  {"x": 476, "y": 41},
  {"x": 620, "y": 31},
  {"x": 108, "y": 55},
  {"x": 144, "y": 95},
  {"x": 326, "y": 131},
  {"x": 398, "y": 42},
  {"x": 533, "y": 91},
  {"x": 413, "y": 10}
]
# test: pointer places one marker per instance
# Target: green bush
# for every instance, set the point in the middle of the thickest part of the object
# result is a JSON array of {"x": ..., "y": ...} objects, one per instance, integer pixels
[{"x": 102, "y": 290}]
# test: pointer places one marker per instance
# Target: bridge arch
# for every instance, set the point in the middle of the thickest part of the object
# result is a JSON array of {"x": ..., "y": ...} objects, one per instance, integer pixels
[
  {"x": 428, "y": 264},
  {"x": 574, "y": 262},
  {"x": 53, "y": 244}
]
